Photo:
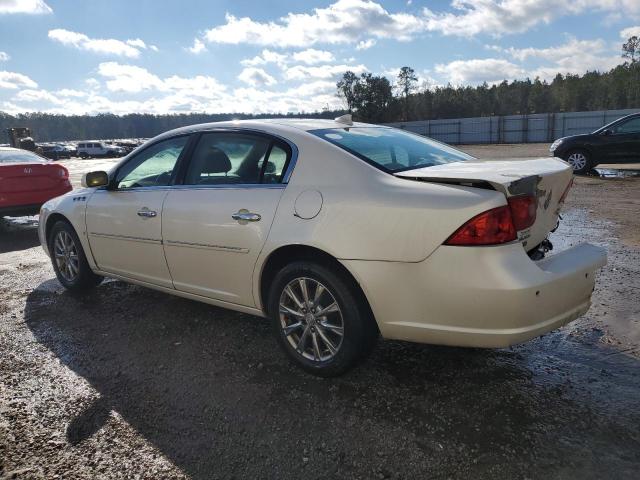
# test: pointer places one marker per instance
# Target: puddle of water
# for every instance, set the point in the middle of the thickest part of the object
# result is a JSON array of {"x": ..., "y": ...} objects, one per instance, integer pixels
[{"x": 616, "y": 173}]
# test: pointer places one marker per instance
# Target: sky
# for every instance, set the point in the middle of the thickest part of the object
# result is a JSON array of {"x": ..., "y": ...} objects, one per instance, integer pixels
[{"x": 279, "y": 56}]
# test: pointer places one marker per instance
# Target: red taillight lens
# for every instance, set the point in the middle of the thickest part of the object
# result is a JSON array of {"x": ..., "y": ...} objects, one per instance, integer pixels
[
  {"x": 489, "y": 228},
  {"x": 523, "y": 211},
  {"x": 566, "y": 192},
  {"x": 63, "y": 172}
]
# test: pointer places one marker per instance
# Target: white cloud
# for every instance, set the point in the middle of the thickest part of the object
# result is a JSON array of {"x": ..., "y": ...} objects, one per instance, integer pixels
[
  {"x": 128, "y": 78},
  {"x": 301, "y": 72},
  {"x": 133, "y": 79},
  {"x": 67, "y": 92},
  {"x": 362, "y": 22},
  {"x": 345, "y": 21},
  {"x": 128, "y": 48},
  {"x": 256, "y": 77},
  {"x": 267, "y": 56},
  {"x": 498, "y": 17},
  {"x": 365, "y": 44},
  {"x": 312, "y": 56},
  {"x": 573, "y": 48},
  {"x": 474, "y": 71},
  {"x": 574, "y": 57},
  {"x": 197, "y": 47},
  {"x": 630, "y": 32},
  {"x": 4, "y": 56},
  {"x": 13, "y": 80},
  {"x": 24, "y": 6}
]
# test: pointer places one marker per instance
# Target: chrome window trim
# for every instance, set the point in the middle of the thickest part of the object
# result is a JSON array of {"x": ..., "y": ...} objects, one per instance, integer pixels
[{"x": 224, "y": 186}]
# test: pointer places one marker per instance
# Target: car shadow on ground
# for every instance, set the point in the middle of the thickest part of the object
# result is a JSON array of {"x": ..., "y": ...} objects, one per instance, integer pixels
[
  {"x": 18, "y": 233},
  {"x": 211, "y": 390}
]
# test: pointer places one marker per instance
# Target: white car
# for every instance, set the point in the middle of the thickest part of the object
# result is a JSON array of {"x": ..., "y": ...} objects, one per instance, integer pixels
[
  {"x": 99, "y": 149},
  {"x": 337, "y": 231}
]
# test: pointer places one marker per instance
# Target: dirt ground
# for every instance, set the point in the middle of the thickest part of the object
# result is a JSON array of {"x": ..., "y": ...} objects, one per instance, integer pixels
[{"x": 125, "y": 382}]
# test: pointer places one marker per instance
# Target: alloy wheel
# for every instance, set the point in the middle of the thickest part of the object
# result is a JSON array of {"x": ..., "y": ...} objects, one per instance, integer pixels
[
  {"x": 66, "y": 256},
  {"x": 311, "y": 319},
  {"x": 577, "y": 160}
]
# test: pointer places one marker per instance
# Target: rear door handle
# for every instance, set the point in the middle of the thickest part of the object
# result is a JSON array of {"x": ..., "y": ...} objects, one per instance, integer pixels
[
  {"x": 246, "y": 216},
  {"x": 146, "y": 213}
]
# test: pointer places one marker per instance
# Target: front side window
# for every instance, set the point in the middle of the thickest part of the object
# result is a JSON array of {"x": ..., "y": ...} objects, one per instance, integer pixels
[
  {"x": 630, "y": 126},
  {"x": 235, "y": 158},
  {"x": 152, "y": 167},
  {"x": 390, "y": 149}
]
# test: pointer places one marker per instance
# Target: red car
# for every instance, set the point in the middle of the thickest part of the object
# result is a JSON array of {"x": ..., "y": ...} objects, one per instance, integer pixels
[{"x": 27, "y": 181}]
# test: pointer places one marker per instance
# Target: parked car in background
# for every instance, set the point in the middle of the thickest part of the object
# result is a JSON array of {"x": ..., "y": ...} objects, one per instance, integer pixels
[
  {"x": 54, "y": 151},
  {"x": 99, "y": 149},
  {"x": 27, "y": 181},
  {"x": 617, "y": 142},
  {"x": 337, "y": 231},
  {"x": 70, "y": 148}
]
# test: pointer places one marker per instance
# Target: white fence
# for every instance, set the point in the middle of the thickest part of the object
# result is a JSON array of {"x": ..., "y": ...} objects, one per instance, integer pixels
[{"x": 531, "y": 128}]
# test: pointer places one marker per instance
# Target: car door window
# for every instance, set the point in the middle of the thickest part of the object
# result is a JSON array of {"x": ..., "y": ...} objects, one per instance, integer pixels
[
  {"x": 630, "y": 126},
  {"x": 153, "y": 166},
  {"x": 276, "y": 164},
  {"x": 227, "y": 158}
]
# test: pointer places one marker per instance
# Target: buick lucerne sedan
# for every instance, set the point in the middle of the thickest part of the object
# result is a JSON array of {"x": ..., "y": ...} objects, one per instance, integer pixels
[{"x": 339, "y": 232}]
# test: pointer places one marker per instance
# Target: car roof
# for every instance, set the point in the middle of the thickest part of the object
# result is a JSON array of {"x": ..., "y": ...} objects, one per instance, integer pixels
[{"x": 272, "y": 125}]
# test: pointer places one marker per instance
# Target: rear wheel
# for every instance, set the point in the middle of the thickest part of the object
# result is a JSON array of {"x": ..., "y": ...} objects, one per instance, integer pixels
[
  {"x": 319, "y": 319},
  {"x": 580, "y": 160},
  {"x": 68, "y": 258}
]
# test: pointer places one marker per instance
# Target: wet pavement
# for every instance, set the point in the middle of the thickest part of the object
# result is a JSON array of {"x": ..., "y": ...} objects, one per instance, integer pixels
[{"x": 125, "y": 382}]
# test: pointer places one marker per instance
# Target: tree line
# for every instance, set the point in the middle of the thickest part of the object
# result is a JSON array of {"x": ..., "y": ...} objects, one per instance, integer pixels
[{"x": 373, "y": 98}]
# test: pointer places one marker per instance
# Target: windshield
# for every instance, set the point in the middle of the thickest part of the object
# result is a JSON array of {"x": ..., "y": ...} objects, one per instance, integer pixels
[
  {"x": 19, "y": 156},
  {"x": 390, "y": 149}
]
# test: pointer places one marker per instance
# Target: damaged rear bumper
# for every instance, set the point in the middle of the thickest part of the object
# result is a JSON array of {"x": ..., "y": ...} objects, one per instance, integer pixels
[{"x": 479, "y": 296}]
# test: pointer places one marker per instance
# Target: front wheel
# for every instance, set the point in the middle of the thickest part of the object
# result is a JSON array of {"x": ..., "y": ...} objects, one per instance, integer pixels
[
  {"x": 580, "y": 161},
  {"x": 68, "y": 258},
  {"x": 319, "y": 319}
]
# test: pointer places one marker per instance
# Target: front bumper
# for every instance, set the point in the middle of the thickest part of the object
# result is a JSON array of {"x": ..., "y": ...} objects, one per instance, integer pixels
[{"x": 479, "y": 296}]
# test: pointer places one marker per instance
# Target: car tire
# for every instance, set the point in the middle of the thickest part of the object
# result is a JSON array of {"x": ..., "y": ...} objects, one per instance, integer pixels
[
  {"x": 580, "y": 160},
  {"x": 69, "y": 260},
  {"x": 324, "y": 345}
]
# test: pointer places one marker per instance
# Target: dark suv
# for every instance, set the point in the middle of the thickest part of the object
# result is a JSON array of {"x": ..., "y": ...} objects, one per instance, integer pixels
[{"x": 617, "y": 142}]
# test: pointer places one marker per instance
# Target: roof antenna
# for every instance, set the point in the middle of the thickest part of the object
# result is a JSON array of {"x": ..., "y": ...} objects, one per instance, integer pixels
[{"x": 344, "y": 119}]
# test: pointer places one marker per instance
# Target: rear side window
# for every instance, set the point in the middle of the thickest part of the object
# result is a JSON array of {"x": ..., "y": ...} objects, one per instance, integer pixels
[
  {"x": 222, "y": 158},
  {"x": 391, "y": 150},
  {"x": 19, "y": 156},
  {"x": 630, "y": 126}
]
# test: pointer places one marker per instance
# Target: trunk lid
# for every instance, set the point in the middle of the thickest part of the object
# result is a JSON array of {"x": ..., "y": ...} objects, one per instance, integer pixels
[
  {"x": 545, "y": 178},
  {"x": 29, "y": 177}
]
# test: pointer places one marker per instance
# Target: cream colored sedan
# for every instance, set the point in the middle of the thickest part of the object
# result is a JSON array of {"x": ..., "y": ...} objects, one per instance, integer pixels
[{"x": 338, "y": 231}]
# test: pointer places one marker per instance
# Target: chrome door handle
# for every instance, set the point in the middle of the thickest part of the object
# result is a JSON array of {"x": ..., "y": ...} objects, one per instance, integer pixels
[
  {"x": 146, "y": 213},
  {"x": 246, "y": 216}
]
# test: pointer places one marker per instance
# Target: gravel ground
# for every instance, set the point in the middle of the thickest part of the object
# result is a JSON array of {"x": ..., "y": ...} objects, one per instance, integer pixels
[{"x": 125, "y": 382}]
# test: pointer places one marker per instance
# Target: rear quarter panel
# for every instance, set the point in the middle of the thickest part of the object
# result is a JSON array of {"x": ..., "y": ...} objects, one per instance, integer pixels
[{"x": 367, "y": 214}]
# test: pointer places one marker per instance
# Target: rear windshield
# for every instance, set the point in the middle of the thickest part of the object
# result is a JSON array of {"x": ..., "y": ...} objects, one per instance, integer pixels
[
  {"x": 390, "y": 149},
  {"x": 19, "y": 156}
]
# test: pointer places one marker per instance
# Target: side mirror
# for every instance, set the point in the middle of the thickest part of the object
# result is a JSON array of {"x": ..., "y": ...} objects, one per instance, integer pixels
[
  {"x": 95, "y": 179},
  {"x": 607, "y": 132}
]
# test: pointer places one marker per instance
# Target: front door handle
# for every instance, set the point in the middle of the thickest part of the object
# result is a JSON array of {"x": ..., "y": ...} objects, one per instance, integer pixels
[
  {"x": 246, "y": 216},
  {"x": 146, "y": 213}
]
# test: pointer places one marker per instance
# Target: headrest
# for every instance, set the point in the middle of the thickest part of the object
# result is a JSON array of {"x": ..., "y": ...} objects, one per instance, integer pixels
[{"x": 216, "y": 161}]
